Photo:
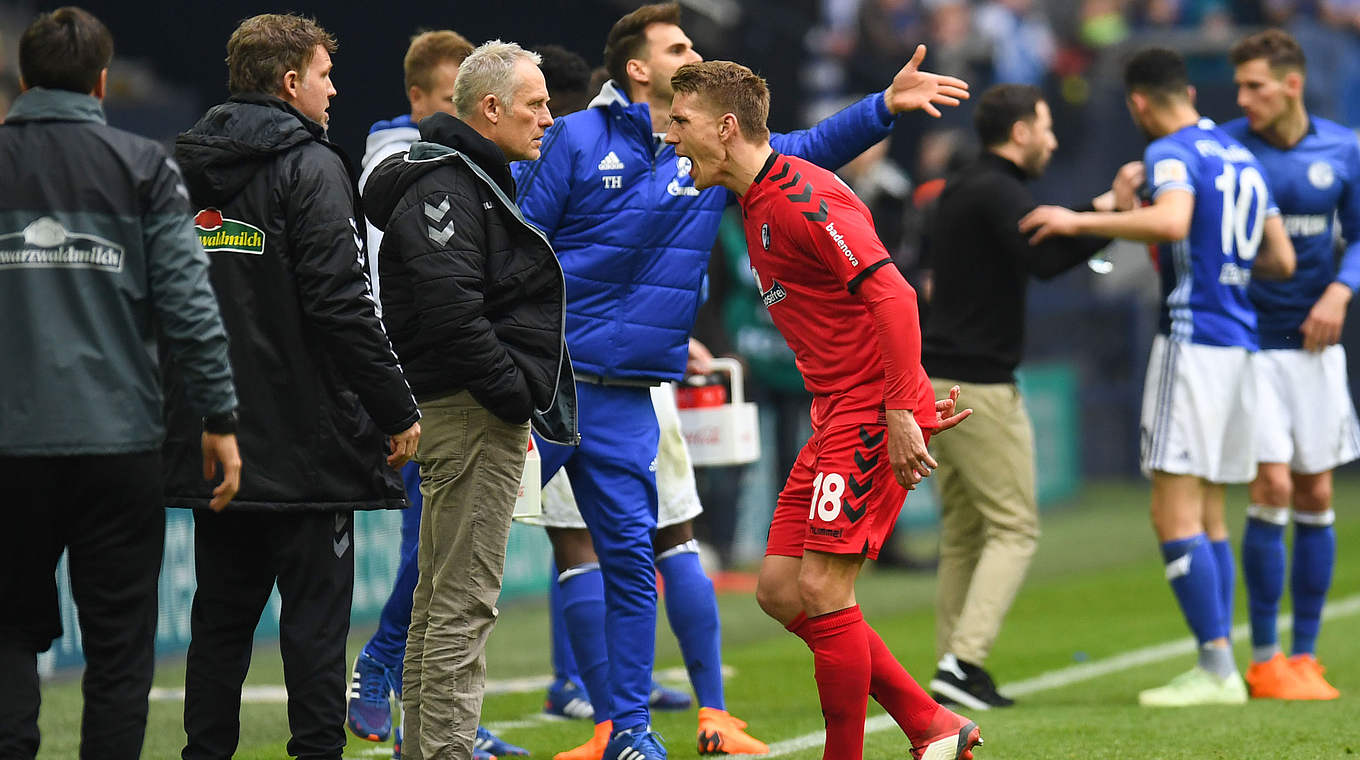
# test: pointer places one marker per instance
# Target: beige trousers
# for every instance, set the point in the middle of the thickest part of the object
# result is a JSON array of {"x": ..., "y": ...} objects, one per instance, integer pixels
[
  {"x": 470, "y": 467},
  {"x": 989, "y": 516}
]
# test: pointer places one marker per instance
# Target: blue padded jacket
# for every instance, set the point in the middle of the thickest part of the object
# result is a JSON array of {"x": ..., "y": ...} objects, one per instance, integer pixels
[{"x": 632, "y": 232}]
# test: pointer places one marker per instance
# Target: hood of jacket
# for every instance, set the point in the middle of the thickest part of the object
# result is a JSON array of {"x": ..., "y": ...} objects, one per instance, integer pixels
[
  {"x": 443, "y": 137},
  {"x": 383, "y": 134},
  {"x": 234, "y": 140}
]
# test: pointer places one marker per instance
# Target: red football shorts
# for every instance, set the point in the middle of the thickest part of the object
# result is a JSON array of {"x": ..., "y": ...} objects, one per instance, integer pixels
[{"x": 841, "y": 496}]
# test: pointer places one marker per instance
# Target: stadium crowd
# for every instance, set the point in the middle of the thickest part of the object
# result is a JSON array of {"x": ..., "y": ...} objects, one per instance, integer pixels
[{"x": 504, "y": 272}]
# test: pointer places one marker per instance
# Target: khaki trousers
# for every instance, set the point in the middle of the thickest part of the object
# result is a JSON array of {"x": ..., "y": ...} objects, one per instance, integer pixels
[
  {"x": 470, "y": 467},
  {"x": 989, "y": 516}
]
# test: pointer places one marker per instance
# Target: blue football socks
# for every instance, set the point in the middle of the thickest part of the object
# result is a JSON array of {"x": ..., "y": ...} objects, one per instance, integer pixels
[
  {"x": 584, "y": 612},
  {"x": 1193, "y": 574},
  {"x": 692, "y": 610},
  {"x": 1311, "y": 575},
  {"x": 1263, "y": 562}
]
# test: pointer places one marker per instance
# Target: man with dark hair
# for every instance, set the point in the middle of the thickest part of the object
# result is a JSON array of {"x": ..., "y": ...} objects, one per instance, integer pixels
[
  {"x": 97, "y": 258},
  {"x": 634, "y": 234},
  {"x": 475, "y": 306},
  {"x": 828, "y": 282},
  {"x": 1217, "y": 227},
  {"x": 989, "y": 515},
  {"x": 568, "y": 78},
  {"x": 325, "y": 400},
  {"x": 1306, "y": 424}
]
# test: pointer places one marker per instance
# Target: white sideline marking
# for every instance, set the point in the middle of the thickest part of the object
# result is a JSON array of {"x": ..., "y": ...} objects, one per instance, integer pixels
[
  {"x": 1056, "y": 679},
  {"x": 279, "y": 695}
]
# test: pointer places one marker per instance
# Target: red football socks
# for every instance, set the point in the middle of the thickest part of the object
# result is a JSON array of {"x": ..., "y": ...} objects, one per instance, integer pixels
[
  {"x": 843, "y": 648},
  {"x": 894, "y": 688},
  {"x": 842, "y": 666}
]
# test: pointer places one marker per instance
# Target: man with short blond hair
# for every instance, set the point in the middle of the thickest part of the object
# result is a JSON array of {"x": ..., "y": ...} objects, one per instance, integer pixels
[
  {"x": 474, "y": 303},
  {"x": 323, "y": 397},
  {"x": 634, "y": 288},
  {"x": 829, "y": 283}
]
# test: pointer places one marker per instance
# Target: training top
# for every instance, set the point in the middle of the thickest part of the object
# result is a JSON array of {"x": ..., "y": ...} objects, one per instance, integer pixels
[
  {"x": 828, "y": 283},
  {"x": 1205, "y": 276},
  {"x": 1315, "y": 182}
]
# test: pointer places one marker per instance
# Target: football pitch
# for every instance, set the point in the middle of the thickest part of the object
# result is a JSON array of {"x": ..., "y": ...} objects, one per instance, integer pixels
[{"x": 1094, "y": 624}]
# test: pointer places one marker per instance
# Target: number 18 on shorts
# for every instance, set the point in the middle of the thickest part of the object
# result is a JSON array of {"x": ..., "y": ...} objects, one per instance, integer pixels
[{"x": 840, "y": 498}]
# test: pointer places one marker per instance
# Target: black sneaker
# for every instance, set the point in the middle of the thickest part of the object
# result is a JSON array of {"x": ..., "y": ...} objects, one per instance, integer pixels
[{"x": 960, "y": 683}]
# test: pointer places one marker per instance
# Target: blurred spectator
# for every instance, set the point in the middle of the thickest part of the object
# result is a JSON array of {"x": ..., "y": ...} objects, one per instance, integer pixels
[{"x": 1023, "y": 45}]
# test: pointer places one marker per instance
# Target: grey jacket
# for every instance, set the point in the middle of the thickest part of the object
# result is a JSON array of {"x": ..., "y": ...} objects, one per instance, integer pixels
[{"x": 98, "y": 256}]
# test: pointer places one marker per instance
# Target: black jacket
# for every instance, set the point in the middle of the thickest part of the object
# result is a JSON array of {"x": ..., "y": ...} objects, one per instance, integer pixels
[
  {"x": 472, "y": 294},
  {"x": 319, "y": 384},
  {"x": 976, "y": 326}
]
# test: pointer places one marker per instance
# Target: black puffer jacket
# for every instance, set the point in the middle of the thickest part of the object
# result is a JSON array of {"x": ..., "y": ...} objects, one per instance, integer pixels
[
  {"x": 472, "y": 294},
  {"x": 319, "y": 384}
]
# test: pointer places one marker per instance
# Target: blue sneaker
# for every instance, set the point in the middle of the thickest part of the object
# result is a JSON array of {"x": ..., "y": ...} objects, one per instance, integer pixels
[
  {"x": 489, "y": 742},
  {"x": 567, "y": 699},
  {"x": 370, "y": 708},
  {"x": 641, "y": 743},
  {"x": 663, "y": 698}
]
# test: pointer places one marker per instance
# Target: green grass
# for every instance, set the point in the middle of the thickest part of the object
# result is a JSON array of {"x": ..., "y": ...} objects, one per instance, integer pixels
[{"x": 1095, "y": 591}]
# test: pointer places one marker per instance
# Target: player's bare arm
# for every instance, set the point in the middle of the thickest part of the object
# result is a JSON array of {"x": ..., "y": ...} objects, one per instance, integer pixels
[
  {"x": 913, "y": 89},
  {"x": 1166, "y": 220},
  {"x": 1325, "y": 320},
  {"x": 1276, "y": 259},
  {"x": 1123, "y": 192}
]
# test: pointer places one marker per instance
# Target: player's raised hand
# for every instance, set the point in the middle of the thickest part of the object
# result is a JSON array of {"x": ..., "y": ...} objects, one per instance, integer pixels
[
  {"x": 1126, "y": 184},
  {"x": 1046, "y": 221},
  {"x": 914, "y": 89},
  {"x": 1323, "y": 326},
  {"x": 907, "y": 453},
  {"x": 944, "y": 411}
]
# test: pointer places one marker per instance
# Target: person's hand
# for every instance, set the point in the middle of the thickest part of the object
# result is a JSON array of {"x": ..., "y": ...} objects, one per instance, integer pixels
[
  {"x": 907, "y": 453},
  {"x": 1127, "y": 181},
  {"x": 1323, "y": 326},
  {"x": 914, "y": 89},
  {"x": 220, "y": 450},
  {"x": 1047, "y": 221},
  {"x": 944, "y": 411},
  {"x": 700, "y": 359},
  {"x": 403, "y": 446}
]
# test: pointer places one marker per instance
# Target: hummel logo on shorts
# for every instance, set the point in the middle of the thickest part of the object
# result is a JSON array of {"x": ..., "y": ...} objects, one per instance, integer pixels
[{"x": 611, "y": 163}]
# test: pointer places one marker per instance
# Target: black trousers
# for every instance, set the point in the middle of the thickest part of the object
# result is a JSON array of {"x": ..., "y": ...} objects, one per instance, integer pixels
[
  {"x": 238, "y": 558},
  {"x": 106, "y": 512}
]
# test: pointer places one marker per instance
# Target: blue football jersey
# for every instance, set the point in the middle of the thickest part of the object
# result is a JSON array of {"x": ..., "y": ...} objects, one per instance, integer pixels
[
  {"x": 1315, "y": 183},
  {"x": 1205, "y": 276}
]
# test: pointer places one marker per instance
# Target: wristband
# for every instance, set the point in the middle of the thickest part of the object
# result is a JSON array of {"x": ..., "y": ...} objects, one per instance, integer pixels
[{"x": 221, "y": 424}]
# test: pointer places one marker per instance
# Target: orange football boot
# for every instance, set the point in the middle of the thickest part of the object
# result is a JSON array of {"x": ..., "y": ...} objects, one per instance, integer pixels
[
  {"x": 593, "y": 749},
  {"x": 721, "y": 733},
  {"x": 1309, "y": 672},
  {"x": 950, "y": 737}
]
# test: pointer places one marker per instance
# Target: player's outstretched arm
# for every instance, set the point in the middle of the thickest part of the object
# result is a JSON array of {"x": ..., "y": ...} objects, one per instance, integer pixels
[
  {"x": 1166, "y": 220},
  {"x": 1275, "y": 260},
  {"x": 913, "y": 89}
]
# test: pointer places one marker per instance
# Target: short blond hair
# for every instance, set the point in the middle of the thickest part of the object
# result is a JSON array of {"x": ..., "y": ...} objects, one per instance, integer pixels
[
  {"x": 430, "y": 49},
  {"x": 489, "y": 70},
  {"x": 729, "y": 88}
]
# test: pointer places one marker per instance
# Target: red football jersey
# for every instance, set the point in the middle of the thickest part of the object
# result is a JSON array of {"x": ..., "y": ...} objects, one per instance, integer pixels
[{"x": 812, "y": 245}]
